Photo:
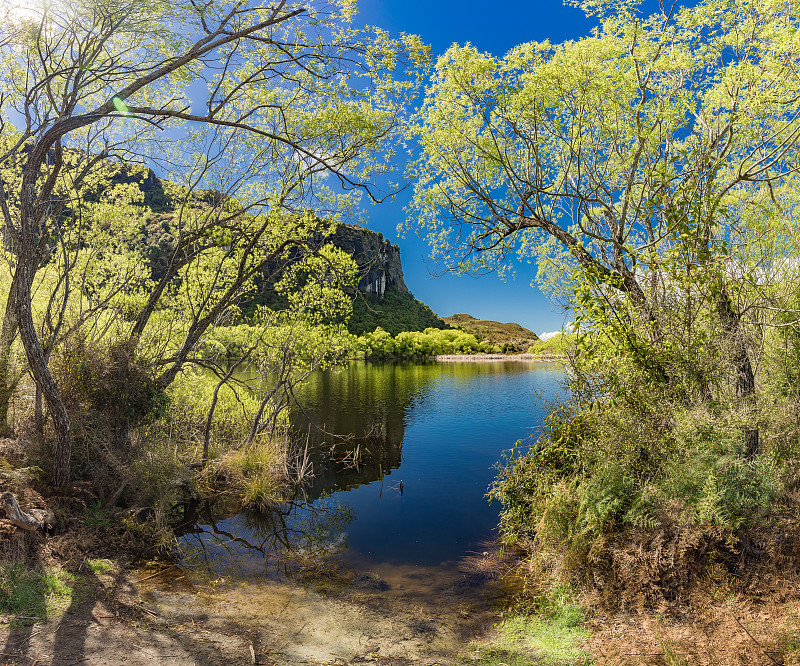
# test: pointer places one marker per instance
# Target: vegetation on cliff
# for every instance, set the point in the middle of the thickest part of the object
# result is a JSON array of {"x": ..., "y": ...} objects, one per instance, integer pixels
[{"x": 396, "y": 311}]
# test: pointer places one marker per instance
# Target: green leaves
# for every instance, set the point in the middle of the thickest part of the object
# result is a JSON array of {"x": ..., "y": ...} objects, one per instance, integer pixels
[{"x": 430, "y": 342}]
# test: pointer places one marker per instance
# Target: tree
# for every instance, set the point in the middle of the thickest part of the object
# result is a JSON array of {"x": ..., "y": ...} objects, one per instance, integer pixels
[
  {"x": 640, "y": 163},
  {"x": 253, "y": 100}
]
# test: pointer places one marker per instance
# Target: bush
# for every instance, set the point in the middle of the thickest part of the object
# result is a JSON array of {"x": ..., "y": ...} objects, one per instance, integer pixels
[
  {"x": 637, "y": 505},
  {"x": 257, "y": 473},
  {"x": 105, "y": 387},
  {"x": 164, "y": 446},
  {"x": 562, "y": 344},
  {"x": 108, "y": 392},
  {"x": 420, "y": 344}
]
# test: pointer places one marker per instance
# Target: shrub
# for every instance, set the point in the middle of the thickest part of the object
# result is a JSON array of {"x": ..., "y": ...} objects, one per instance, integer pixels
[
  {"x": 562, "y": 344},
  {"x": 257, "y": 472},
  {"x": 636, "y": 505},
  {"x": 420, "y": 344}
]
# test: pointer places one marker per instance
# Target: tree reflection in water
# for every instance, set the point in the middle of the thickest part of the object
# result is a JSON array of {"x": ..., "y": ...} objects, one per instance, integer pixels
[{"x": 296, "y": 540}]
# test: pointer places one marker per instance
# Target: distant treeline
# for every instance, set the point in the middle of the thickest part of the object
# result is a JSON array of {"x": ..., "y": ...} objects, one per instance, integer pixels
[
  {"x": 436, "y": 342},
  {"x": 430, "y": 342},
  {"x": 233, "y": 341}
]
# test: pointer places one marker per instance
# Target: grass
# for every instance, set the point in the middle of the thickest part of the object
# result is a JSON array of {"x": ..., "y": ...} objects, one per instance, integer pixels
[
  {"x": 548, "y": 639},
  {"x": 258, "y": 473},
  {"x": 31, "y": 594},
  {"x": 99, "y": 566},
  {"x": 95, "y": 515}
]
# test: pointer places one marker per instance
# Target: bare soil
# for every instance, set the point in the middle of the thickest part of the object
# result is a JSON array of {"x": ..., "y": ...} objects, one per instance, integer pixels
[
  {"x": 134, "y": 617},
  {"x": 166, "y": 620}
]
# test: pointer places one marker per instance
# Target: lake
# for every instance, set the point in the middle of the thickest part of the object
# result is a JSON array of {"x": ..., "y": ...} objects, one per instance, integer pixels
[{"x": 408, "y": 487}]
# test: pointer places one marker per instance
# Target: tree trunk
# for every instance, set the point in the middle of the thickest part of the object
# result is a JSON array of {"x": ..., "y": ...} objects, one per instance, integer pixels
[
  {"x": 745, "y": 379},
  {"x": 8, "y": 378},
  {"x": 41, "y": 374},
  {"x": 5, "y": 403},
  {"x": 38, "y": 416},
  {"x": 34, "y": 211},
  {"x": 121, "y": 435},
  {"x": 8, "y": 384}
]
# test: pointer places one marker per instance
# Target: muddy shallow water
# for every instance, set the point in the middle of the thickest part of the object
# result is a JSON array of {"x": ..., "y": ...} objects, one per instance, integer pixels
[{"x": 412, "y": 613}]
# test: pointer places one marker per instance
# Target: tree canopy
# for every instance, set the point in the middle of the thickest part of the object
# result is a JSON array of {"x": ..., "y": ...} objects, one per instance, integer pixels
[
  {"x": 248, "y": 107},
  {"x": 650, "y": 169}
]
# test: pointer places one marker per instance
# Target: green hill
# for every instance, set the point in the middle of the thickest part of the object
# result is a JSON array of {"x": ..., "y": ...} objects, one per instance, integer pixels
[
  {"x": 395, "y": 312},
  {"x": 511, "y": 335}
]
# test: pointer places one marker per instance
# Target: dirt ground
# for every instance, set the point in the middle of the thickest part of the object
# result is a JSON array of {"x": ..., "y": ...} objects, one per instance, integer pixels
[
  {"x": 134, "y": 617},
  {"x": 124, "y": 619},
  {"x": 106, "y": 624}
]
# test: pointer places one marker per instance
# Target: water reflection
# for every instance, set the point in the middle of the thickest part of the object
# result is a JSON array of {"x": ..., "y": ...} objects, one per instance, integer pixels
[
  {"x": 355, "y": 416},
  {"x": 407, "y": 487},
  {"x": 286, "y": 542}
]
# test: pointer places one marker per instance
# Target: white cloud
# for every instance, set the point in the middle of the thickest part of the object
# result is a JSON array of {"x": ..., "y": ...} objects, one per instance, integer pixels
[{"x": 550, "y": 334}]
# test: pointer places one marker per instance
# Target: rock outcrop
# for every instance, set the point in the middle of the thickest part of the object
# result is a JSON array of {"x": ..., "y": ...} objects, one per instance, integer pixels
[
  {"x": 378, "y": 260},
  {"x": 384, "y": 299}
]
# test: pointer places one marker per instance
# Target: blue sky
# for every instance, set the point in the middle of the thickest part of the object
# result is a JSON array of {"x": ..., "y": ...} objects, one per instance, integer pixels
[{"x": 495, "y": 27}]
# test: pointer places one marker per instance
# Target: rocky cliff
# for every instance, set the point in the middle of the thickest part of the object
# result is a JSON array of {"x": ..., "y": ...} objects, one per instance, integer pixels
[
  {"x": 383, "y": 299},
  {"x": 378, "y": 260}
]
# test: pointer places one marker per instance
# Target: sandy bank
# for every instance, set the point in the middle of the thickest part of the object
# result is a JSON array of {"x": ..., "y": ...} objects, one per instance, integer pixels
[{"x": 500, "y": 357}]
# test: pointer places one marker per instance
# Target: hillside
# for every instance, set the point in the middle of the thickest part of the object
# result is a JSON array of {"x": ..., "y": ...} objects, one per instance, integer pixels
[
  {"x": 396, "y": 312},
  {"x": 382, "y": 300},
  {"x": 498, "y": 333}
]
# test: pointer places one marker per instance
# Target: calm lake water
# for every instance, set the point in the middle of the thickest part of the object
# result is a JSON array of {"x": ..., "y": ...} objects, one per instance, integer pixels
[{"x": 409, "y": 487}]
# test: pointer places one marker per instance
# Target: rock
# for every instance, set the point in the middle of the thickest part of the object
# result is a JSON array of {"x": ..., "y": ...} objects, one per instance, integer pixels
[{"x": 378, "y": 260}]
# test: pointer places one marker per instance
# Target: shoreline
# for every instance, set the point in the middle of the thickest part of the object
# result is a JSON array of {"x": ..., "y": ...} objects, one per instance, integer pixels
[{"x": 531, "y": 358}]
